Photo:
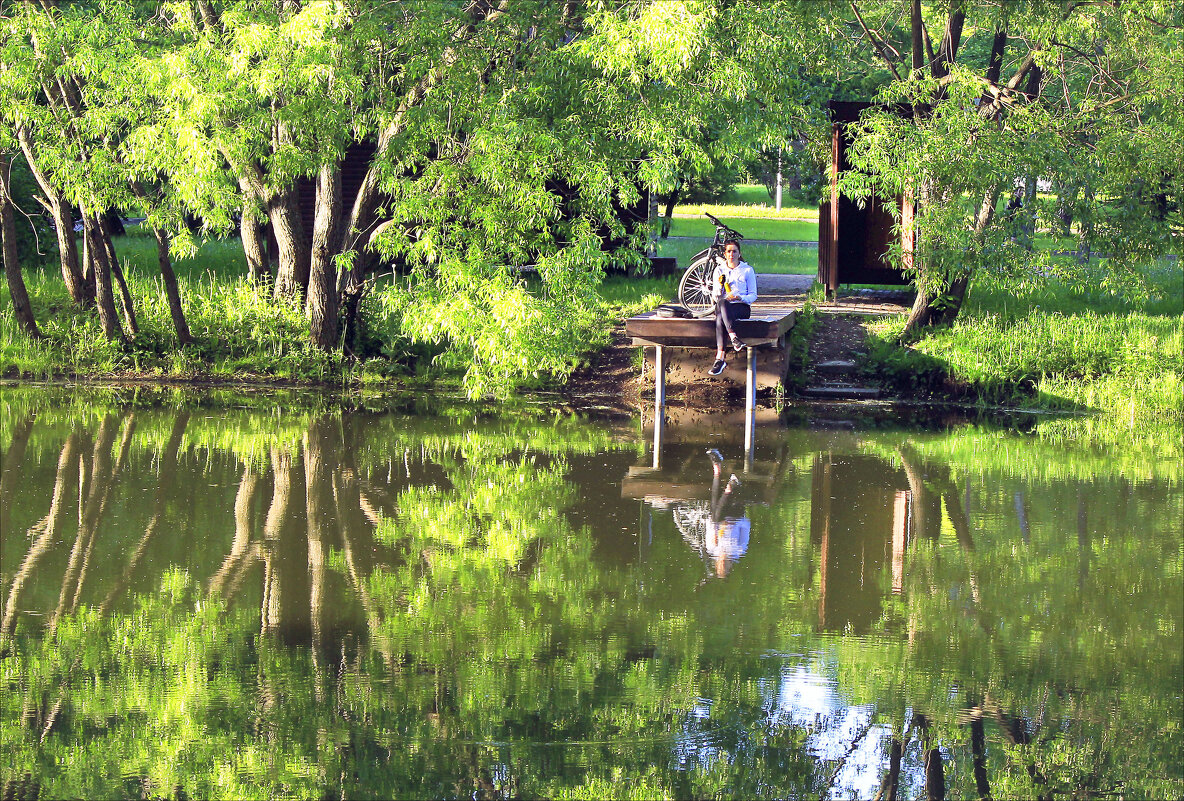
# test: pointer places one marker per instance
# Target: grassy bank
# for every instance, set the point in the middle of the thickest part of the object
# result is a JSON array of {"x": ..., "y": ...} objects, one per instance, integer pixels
[
  {"x": 240, "y": 332},
  {"x": 1058, "y": 345},
  {"x": 1051, "y": 343}
]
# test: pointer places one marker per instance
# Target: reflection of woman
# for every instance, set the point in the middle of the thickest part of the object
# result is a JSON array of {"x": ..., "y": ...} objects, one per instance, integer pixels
[
  {"x": 726, "y": 537},
  {"x": 734, "y": 292}
]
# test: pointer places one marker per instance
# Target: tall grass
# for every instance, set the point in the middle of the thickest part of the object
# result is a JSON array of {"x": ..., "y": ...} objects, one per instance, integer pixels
[
  {"x": 239, "y": 330},
  {"x": 1059, "y": 346}
]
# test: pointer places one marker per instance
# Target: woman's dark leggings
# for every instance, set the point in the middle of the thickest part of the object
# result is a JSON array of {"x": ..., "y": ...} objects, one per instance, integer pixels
[{"x": 726, "y": 313}]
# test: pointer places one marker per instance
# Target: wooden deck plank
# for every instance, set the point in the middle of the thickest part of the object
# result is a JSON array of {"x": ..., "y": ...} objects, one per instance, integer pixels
[{"x": 767, "y": 325}]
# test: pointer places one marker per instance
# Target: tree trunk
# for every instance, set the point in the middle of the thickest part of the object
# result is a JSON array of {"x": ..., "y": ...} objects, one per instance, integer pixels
[
  {"x": 294, "y": 254},
  {"x": 671, "y": 200},
  {"x": 351, "y": 286},
  {"x": 978, "y": 750},
  {"x": 125, "y": 296},
  {"x": 104, "y": 297},
  {"x": 1085, "y": 229},
  {"x": 172, "y": 291},
  {"x": 253, "y": 235},
  {"x": 271, "y": 614},
  {"x": 12, "y": 267},
  {"x": 940, "y": 303},
  {"x": 322, "y": 445},
  {"x": 322, "y": 303},
  {"x": 935, "y": 777},
  {"x": 81, "y": 291},
  {"x": 113, "y": 224}
]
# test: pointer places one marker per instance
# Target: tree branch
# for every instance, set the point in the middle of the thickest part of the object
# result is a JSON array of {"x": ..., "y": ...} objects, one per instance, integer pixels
[
  {"x": 950, "y": 40},
  {"x": 881, "y": 48},
  {"x": 364, "y": 202},
  {"x": 1003, "y": 93}
]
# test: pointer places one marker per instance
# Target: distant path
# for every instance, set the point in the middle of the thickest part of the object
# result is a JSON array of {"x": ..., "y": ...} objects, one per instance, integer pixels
[{"x": 783, "y": 284}]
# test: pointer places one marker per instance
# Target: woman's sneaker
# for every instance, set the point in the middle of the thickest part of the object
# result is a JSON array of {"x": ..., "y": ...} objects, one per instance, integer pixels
[{"x": 718, "y": 367}]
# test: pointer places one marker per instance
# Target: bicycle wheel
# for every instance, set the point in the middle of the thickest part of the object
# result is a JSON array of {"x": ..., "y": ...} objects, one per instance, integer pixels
[{"x": 694, "y": 291}]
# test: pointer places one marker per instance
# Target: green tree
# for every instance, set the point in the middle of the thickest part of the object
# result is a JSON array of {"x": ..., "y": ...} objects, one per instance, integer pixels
[
  {"x": 71, "y": 97},
  {"x": 1007, "y": 92},
  {"x": 505, "y": 134}
]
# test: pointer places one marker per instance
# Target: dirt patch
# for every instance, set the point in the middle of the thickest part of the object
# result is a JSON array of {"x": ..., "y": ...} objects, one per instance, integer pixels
[
  {"x": 838, "y": 338},
  {"x": 612, "y": 378}
]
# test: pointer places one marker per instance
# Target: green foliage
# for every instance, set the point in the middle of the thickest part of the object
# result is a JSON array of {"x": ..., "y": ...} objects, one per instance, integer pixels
[
  {"x": 1105, "y": 131},
  {"x": 1073, "y": 347},
  {"x": 35, "y": 241}
]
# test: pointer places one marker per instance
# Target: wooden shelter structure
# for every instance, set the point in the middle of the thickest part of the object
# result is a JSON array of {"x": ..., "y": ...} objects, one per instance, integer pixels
[{"x": 853, "y": 241}]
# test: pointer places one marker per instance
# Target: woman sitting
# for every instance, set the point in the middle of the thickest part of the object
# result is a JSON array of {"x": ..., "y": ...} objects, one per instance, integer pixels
[{"x": 734, "y": 292}]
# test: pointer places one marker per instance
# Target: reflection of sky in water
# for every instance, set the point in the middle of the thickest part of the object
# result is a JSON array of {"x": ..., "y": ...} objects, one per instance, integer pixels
[
  {"x": 853, "y": 752},
  {"x": 840, "y": 735}
]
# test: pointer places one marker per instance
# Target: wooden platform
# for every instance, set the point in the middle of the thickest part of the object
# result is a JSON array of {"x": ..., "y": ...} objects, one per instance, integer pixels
[
  {"x": 768, "y": 324},
  {"x": 678, "y": 340}
]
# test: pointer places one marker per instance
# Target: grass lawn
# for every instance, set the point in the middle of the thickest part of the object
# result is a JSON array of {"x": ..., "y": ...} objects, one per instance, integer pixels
[
  {"x": 749, "y": 227},
  {"x": 782, "y": 259},
  {"x": 747, "y": 209},
  {"x": 1072, "y": 344},
  {"x": 751, "y": 200}
]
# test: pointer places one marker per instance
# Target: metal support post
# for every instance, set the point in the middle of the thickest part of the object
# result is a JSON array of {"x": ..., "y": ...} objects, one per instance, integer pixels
[
  {"x": 659, "y": 402},
  {"x": 749, "y": 407}
]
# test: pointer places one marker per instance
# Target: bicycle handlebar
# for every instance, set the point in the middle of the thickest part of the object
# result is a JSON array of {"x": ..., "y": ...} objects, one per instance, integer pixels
[{"x": 718, "y": 224}]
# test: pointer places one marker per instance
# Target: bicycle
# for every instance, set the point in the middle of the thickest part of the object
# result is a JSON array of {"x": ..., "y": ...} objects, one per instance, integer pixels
[{"x": 695, "y": 288}]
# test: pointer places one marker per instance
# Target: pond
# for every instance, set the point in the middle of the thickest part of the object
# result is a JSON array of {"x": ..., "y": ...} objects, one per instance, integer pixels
[{"x": 229, "y": 598}]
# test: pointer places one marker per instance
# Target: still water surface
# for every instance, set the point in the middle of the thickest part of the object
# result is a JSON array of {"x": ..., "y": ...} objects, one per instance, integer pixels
[{"x": 209, "y": 601}]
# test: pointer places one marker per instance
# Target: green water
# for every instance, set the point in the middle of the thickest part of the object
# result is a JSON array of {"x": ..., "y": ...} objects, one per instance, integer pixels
[{"x": 232, "y": 599}]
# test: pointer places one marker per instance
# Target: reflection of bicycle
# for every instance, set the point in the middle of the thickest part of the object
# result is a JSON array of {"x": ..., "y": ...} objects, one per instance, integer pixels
[{"x": 694, "y": 290}]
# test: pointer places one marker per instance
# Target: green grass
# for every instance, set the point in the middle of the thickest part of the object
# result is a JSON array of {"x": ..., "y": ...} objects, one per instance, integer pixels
[
  {"x": 238, "y": 330},
  {"x": 1060, "y": 345},
  {"x": 781, "y": 259},
  {"x": 624, "y": 297},
  {"x": 751, "y": 200},
  {"x": 749, "y": 227}
]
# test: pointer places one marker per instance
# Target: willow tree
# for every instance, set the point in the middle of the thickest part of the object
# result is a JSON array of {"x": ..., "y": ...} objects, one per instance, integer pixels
[
  {"x": 69, "y": 98},
  {"x": 504, "y": 134},
  {"x": 981, "y": 97}
]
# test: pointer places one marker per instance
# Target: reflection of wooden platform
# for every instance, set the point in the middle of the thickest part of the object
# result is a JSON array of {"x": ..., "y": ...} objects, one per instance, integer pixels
[{"x": 643, "y": 481}]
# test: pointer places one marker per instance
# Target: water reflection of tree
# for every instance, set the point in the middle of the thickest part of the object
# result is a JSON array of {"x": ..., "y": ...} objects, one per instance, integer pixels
[{"x": 479, "y": 634}]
